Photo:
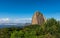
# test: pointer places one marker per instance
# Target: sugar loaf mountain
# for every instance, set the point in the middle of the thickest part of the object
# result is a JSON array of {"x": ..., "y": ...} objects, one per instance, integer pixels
[{"x": 38, "y": 18}]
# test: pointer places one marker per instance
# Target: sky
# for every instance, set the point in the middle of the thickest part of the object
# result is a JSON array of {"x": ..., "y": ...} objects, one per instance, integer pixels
[{"x": 23, "y": 10}]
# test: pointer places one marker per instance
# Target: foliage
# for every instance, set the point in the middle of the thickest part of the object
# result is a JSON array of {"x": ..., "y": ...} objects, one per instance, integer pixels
[
  {"x": 6, "y": 32},
  {"x": 50, "y": 29}
]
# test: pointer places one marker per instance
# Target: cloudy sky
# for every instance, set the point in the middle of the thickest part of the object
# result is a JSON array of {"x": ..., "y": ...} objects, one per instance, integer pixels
[
  {"x": 23, "y": 10},
  {"x": 15, "y": 20}
]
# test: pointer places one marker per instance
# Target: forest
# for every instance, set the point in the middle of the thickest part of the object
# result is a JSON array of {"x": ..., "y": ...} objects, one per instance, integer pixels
[{"x": 49, "y": 29}]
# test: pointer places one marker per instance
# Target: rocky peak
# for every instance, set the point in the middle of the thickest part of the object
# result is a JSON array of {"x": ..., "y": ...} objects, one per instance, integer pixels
[{"x": 38, "y": 18}]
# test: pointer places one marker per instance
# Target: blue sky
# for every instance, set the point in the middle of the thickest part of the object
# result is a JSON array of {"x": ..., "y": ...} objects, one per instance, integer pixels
[{"x": 13, "y": 9}]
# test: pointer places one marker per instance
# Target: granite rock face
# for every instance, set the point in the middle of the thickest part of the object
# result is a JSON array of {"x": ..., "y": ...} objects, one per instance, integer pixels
[{"x": 38, "y": 18}]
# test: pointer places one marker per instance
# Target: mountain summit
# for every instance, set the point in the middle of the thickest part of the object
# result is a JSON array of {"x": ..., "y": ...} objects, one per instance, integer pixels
[{"x": 38, "y": 18}]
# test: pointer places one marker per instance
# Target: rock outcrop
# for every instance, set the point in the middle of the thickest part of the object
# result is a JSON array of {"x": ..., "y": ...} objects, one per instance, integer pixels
[{"x": 38, "y": 18}]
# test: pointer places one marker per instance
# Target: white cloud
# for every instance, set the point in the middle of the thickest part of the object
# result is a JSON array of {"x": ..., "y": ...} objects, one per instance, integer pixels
[
  {"x": 23, "y": 20},
  {"x": 15, "y": 20},
  {"x": 4, "y": 20}
]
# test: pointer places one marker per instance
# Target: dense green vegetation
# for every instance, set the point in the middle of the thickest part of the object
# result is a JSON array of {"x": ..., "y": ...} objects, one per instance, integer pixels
[{"x": 50, "y": 29}]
